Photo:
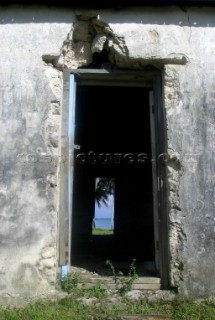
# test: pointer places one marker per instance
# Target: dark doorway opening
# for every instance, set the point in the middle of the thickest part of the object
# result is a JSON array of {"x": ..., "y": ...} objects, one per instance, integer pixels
[{"x": 113, "y": 139}]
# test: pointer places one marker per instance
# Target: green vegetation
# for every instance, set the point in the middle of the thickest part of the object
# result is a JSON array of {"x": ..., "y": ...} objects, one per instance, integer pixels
[
  {"x": 124, "y": 282},
  {"x": 96, "y": 303},
  {"x": 105, "y": 187},
  {"x": 101, "y": 232},
  {"x": 70, "y": 283},
  {"x": 70, "y": 308}
]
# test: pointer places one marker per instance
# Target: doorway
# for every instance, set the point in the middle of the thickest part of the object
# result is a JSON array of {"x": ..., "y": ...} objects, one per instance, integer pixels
[{"x": 113, "y": 140}]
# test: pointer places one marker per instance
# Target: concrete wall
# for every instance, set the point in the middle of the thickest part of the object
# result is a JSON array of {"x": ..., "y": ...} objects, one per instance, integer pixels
[{"x": 33, "y": 39}]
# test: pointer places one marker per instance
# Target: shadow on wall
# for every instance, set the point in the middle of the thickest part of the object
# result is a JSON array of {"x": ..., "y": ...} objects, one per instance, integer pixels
[{"x": 171, "y": 15}]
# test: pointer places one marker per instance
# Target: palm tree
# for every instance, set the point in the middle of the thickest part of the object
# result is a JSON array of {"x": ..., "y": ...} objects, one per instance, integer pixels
[{"x": 105, "y": 186}]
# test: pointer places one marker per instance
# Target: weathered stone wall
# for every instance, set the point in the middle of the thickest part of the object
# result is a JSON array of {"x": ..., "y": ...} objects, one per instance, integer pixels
[{"x": 36, "y": 43}]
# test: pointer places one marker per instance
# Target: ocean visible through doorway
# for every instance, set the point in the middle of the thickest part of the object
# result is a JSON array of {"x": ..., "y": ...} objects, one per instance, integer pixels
[{"x": 104, "y": 223}]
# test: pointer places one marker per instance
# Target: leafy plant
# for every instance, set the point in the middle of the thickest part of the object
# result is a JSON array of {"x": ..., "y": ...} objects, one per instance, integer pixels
[
  {"x": 70, "y": 282},
  {"x": 124, "y": 283},
  {"x": 96, "y": 291}
]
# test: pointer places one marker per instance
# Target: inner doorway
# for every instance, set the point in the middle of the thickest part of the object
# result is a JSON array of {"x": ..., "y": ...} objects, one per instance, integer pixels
[{"x": 112, "y": 140}]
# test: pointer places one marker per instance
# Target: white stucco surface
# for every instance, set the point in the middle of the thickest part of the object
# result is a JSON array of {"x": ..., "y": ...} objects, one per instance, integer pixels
[{"x": 182, "y": 44}]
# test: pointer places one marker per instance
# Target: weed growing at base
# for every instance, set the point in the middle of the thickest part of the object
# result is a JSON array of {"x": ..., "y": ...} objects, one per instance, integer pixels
[
  {"x": 72, "y": 307},
  {"x": 124, "y": 283},
  {"x": 71, "y": 285}
]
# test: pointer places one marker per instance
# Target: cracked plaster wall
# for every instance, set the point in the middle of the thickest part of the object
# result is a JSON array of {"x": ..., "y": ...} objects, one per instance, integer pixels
[{"x": 36, "y": 43}]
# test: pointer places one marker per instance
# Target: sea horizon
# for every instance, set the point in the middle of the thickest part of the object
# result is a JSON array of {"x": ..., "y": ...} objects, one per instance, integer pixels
[{"x": 103, "y": 223}]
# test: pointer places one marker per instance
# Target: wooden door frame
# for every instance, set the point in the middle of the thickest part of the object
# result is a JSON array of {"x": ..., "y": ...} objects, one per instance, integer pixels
[{"x": 95, "y": 77}]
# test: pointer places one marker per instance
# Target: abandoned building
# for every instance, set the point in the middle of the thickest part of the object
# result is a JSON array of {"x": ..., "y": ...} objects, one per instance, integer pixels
[{"x": 120, "y": 92}]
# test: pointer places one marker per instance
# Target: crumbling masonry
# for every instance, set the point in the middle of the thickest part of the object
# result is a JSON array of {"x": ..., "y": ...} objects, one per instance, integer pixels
[{"x": 177, "y": 42}]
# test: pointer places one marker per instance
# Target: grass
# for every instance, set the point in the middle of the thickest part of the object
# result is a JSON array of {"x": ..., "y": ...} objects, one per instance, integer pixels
[
  {"x": 70, "y": 308},
  {"x": 101, "y": 307},
  {"x": 101, "y": 232}
]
